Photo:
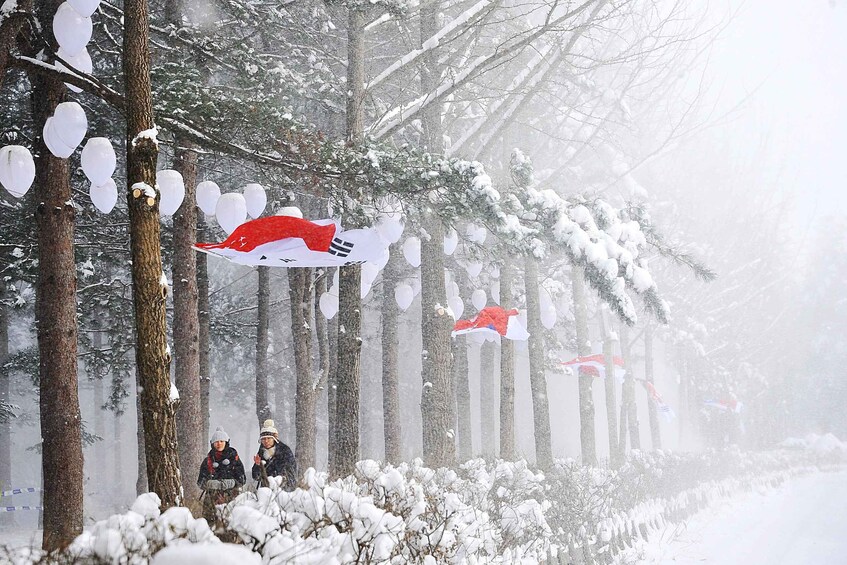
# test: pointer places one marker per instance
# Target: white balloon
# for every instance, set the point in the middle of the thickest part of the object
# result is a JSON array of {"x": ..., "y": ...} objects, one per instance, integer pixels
[
  {"x": 364, "y": 289},
  {"x": 104, "y": 196},
  {"x": 72, "y": 31},
  {"x": 548, "y": 317},
  {"x": 412, "y": 251},
  {"x": 290, "y": 211},
  {"x": 369, "y": 272},
  {"x": 52, "y": 141},
  {"x": 452, "y": 289},
  {"x": 172, "y": 190},
  {"x": 476, "y": 233},
  {"x": 231, "y": 211},
  {"x": 81, "y": 62},
  {"x": 495, "y": 291},
  {"x": 383, "y": 258},
  {"x": 70, "y": 123},
  {"x": 328, "y": 305},
  {"x": 98, "y": 160},
  {"x": 473, "y": 268},
  {"x": 478, "y": 299},
  {"x": 403, "y": 295},
  {"x": 208, "y": 193},
  {"x": 17, "y": 169},
  {"x": 391, "y": 229},
  {"x": 457, "y": 306},
  {"x": 451, "y": 240},
  {"x": 84, "y": 7},
  {"x": 256, "y": 198}
]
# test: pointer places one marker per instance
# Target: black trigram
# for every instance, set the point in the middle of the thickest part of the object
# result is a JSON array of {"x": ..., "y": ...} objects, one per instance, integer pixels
[{"x": 340, "y": 248}]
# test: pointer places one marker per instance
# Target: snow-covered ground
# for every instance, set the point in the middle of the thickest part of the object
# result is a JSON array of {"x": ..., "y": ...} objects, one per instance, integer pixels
[{"x": 802, "y": 522}]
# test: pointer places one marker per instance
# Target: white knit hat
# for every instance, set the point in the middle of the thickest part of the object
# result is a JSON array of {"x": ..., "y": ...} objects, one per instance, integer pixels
[
  {"x": 219, "y": 435},
  {"x": 268, "y": 429}
]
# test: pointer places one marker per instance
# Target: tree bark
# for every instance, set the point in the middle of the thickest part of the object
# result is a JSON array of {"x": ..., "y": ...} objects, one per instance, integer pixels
[
  {"x": 300, "y": 302},
  {"x": 263, "y": 408},
  {"x": 148, "y": 295},
  {"x": 537, "y": 377},
  {"x": 390, "y": 359},
  {"x": 189, "y": 420},
  {"x": 487, "y": 399},
  {"x": 609, "y": 386},
  {"x": 587, "y": 433},
  {"x": 629, "y": 412},
  {"x": 463, "y": 399},
  {"x": 141, "y": 458},
  {"x": 5, "y": 398},
  {"x": 332, "y": 392},
  {"x": 348, "y": 376},
  {"x": 203, "y": 318},
  {"x": 507, "y": 370},
  {"x": 55, "y": 318},
  {"x": 655, "y": 433}
]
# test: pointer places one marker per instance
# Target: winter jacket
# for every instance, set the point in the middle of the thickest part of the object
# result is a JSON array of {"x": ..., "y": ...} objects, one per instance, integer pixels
[
  {"x": 280, "y": 464},
  {"x": 222, "y": 465}
]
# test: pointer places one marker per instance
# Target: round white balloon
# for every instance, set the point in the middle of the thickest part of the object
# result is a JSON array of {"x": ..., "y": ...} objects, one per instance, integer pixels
[
  {"x": 231, "y": 211},
  {"x": 451, "y": 240},
  {"x": 548, "y": 317},
  {"x": 412, "y": 251},
  {"x": 52, "y": 141},
  {"x": 473, "y": 268},
  {"x": 478, "y": 299},
  {"x": 208, "y": 193},
  {"x": 328, "y": 305},
  {"x": 495, "y": 291},
  {"x": 70, "y": 123},
  {"x": 84, "y": 7},
  {"x": 98, "y": 160},
  {"x": 391, "y": 229},
  {"x": 17, "y": 169},
  {"x": 457, "y": 306},
  {"x": 172, "y": 190},
  {"x": 369, "y": 272},
  {"x": 256, "y": 199},
  {"x": 403, "y": 295},
  {"x": 104, "y": 196},
  {"x": 293, "y": 211},
  {"x": 72, "y": 31},
  {"x": 81, "y": 62}
]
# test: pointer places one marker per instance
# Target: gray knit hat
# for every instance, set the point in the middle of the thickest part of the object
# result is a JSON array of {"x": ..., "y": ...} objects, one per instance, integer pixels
[{"x": 219, "y": 435}]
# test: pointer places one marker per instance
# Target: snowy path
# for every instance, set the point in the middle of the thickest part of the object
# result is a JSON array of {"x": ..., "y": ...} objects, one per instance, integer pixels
[{"x": 803, "y": 522}]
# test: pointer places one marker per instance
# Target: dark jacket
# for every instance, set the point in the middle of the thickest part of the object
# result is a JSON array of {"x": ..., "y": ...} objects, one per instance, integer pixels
[
  {"x": 222, "y": 465},
  {"x": 281, "y": 464}
]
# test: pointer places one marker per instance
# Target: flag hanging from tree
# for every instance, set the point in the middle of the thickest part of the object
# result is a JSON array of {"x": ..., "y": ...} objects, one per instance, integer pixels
[
  {"x": 493, "y": 319},
  {"x": 661, "y": 407},
  {"x": 595, "y": 365},
  {"x": 726, "y": 405},
  {"x": 288, "y": 241}
]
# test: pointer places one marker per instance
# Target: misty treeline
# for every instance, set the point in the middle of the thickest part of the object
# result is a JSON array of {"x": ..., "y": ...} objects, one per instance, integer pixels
[{"x": 573, "y": 132}]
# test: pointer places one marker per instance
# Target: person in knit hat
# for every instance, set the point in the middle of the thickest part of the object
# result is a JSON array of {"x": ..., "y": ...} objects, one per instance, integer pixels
[
  {"x": 222, "y": 471},
  {"x": 274, "y": 457}
]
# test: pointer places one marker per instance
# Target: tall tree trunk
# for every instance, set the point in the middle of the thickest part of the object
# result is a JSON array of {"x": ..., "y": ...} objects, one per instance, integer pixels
[
  {"x": 322, "y": 341},
  {"x": 463, "y": 399},
  {"x": 609, "y": 386},
  {"x": 655, "y": 433},
  {"x": 390, "y": 358},
  {"x": 263, "y": 408},
  {"x": 487, "y": 399},
  {"x": 437, "y": 402},
  {"x": 5, "y": 398},
  {"x": 99, "y": 424},
  {"x": 140, "y": 455},
  {"x": 537, "y": 377},
  {"x": 117, "y": 459},
  {"x": 148, "y": 294},
  {"x": 348, "y": 376},
  {"x": 300, "y": 302},
  {"x": 507, "y": 370},
  {"x": 55, "y": 318},
  {"x": 629, "y": 412},
  {"x": 203, "y": 318},
  {"x": 332, "y": 393},
  {"x": 587, "y": 434},
  {"x": 192, "y": 440}
]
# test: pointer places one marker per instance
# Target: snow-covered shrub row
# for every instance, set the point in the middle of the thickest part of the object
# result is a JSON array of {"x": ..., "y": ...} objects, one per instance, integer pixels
[{"x": 481, "y": 512}]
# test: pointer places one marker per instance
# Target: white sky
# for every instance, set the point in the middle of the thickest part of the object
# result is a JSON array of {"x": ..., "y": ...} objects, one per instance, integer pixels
[{"x": 791, "y": 55}]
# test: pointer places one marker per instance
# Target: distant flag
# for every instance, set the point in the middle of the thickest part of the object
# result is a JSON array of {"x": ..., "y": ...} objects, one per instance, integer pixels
[
  {"x": 727, "y": 405},
  {"x": 661, "y": 407},
  {"x": 595, "y": 365},
  {"x": 288, "y": 241},
  {"x": 493, "y": 319}
]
